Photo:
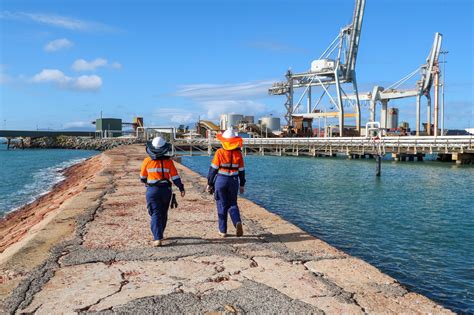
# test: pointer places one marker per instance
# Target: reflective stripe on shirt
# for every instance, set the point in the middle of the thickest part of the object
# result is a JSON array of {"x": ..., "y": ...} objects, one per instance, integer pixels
[
  {"x": 214, "y": 166},
  {"x": 158, "y": 170},
  {"x": 229, "y": 165}
]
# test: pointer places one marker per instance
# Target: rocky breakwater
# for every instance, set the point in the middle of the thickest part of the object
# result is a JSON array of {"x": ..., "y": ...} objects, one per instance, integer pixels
[
  {"x": 69, "y": 142},
  {"x": 107, "y": 264}
]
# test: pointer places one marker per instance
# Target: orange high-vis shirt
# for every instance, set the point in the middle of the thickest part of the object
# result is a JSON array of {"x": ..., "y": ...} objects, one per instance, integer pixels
[
  {"x": 228, "y": 162},
  {"x": 153, "y": 170}
]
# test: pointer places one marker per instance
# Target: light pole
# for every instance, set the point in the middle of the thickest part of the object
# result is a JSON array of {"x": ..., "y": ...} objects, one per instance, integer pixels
[{"x": 444, "y": 52}]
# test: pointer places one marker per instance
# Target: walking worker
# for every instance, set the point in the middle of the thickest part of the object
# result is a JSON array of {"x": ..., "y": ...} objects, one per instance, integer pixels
[
  {"x": 225, "y": 176},
  {"x": 157, "y": 172}
]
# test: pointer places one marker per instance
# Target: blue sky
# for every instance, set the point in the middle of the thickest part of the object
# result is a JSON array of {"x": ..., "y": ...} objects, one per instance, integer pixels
[{"x": 175, "y": 61}]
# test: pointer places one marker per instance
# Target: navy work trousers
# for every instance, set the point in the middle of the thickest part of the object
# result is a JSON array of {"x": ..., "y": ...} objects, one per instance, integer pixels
[
  {"x": 158, "y": 201},
  {"x": 227, "y": 188}
]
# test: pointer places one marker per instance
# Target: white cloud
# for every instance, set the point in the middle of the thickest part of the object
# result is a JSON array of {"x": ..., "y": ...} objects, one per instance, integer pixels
[
  {"x": 57, "y": 77},
  {"x": 116, "y": 65},
  {"x": 216, "y": 108},
  {"x": 217, "y": 99},
  {"x": 175, "y": 115},
  {"x": 226, "y": 91},
  {"x": 84, "y": 65},
  {"x": 56, "y": 20},
  {"x": 58, "y": 44},
  {"x": 88, "y": 82},
  {"x": 51, "y": 75}
]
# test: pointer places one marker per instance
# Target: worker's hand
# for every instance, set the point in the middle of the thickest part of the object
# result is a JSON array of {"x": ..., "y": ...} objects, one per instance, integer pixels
[
  {"x": 183, "y": 193},
  {"x": 242, "y": 189}
]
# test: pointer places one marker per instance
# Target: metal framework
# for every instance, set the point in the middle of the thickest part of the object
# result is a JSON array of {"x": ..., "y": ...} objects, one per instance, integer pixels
[
  {"x": 429, "y": 76},
  {"x": 335, "y": 67}
]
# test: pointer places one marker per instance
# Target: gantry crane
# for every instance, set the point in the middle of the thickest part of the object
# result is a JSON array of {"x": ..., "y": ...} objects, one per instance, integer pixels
[
  {"x": 429, "y": 76},
  {"x": 335, "y": 67}
]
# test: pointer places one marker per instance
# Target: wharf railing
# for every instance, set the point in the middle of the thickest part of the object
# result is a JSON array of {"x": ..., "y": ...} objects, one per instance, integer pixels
[{"x": 330, "y": 146}]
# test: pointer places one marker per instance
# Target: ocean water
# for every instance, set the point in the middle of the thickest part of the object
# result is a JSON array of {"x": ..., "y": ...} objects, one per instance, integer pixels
[
  {"x": 415, "y": 222},
  {"x": 28, "y": 174}
]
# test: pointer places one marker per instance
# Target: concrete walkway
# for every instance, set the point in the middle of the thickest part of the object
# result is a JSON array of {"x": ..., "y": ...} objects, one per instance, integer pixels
[{"x": 108, "y": 265}]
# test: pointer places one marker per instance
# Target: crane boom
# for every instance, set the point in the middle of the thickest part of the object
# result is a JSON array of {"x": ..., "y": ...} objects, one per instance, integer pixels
[
  {"x": 355, "y": 30},
  {"x": 431, "y": 61},
  {"x": 335, "y": 67}
]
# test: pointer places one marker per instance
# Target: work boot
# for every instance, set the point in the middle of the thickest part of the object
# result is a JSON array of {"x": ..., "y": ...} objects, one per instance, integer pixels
[
  {"x": 222, "y": 234},
  {"x": 157, "y": 243},
  {"x": 239, "y": 231}
]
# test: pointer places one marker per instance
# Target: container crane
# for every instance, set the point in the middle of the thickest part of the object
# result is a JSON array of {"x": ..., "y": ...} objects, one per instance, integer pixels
[
  {"x": 335, "y": 67},
  {"x": 429, "y": 76}
]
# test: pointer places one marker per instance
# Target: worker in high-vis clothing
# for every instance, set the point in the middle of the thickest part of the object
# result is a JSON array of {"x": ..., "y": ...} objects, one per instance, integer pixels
[
  {"x": 226, "y": 177},
  {"x": 157, "y": 172}
]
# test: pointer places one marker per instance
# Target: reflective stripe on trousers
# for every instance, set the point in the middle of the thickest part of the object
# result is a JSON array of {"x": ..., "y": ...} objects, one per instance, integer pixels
[
  {"x": 227, "y": 188},
  {"x": 231, "y": 173}
]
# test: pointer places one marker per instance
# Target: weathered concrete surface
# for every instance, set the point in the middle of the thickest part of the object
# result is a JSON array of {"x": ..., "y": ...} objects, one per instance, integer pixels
[{"x": 109, "y": 266}]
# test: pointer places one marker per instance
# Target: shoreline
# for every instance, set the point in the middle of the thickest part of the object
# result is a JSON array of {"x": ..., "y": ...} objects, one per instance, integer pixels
[
  {"x": 117, "y": 228},
  {"x": 17, "y": 223},
  {"x": 63, "y": 173}
]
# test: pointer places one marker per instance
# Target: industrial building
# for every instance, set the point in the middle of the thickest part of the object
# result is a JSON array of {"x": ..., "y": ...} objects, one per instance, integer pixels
[
  {"x": 108, "y": 127},
  {"x": 113, "y": 127}
]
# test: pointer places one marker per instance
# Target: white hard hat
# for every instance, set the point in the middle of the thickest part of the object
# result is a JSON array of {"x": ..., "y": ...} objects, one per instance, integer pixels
[
  {"x": 158, "y": 142},
  {"x": 229, "y": 134}
]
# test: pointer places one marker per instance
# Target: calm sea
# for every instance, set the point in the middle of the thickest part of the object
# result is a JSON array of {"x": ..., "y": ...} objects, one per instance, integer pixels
[
  {"x": 415, "y": 222},
  {"x": 28, "y": 174}
]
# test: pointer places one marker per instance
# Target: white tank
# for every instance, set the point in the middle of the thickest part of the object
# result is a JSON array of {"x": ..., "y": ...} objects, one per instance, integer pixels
[
  {"x": 392, "y": 120},
  {"x": 233, "y": 120},
  {"x": 223, "y": 122},
  {"x": 322, "y": 65},
  {"x": 272, "y": 123}
]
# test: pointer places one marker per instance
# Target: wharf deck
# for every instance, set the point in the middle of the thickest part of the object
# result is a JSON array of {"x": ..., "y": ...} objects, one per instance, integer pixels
[{"x": 330, "y": 146}]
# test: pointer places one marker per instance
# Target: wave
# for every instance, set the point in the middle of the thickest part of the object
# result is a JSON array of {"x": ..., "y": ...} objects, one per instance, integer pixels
[{"x": 43, "y": 182}]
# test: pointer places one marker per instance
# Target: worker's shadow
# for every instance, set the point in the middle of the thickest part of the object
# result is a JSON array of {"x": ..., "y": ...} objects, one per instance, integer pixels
[{"x": 245, "y": 239}]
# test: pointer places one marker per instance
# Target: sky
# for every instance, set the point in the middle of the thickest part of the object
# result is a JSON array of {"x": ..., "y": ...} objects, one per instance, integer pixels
[{"x": 62, "y": 63}]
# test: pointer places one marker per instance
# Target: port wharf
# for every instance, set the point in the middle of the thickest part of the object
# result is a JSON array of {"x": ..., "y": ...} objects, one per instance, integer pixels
[{"x": 449, "y": 148}]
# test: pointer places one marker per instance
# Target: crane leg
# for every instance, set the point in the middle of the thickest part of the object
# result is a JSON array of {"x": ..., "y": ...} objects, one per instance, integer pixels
[
  {"x": 341, "y": 107},
  {"x": 383, "y": 114},
  {"x": 418, "y": 100},
  {"x": 356, "y": 92},
  {"x": 428, "y": 115},
  {"x": 372, "y": 110}
]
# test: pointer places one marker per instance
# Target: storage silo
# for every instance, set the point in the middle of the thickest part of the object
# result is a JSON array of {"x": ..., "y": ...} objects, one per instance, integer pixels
[
  {"x": 272, "y": 123},
  {"x": 392, "y": 121},
  {"x": 233, "y": 120},
  {"x": 223, "y": 122}
]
